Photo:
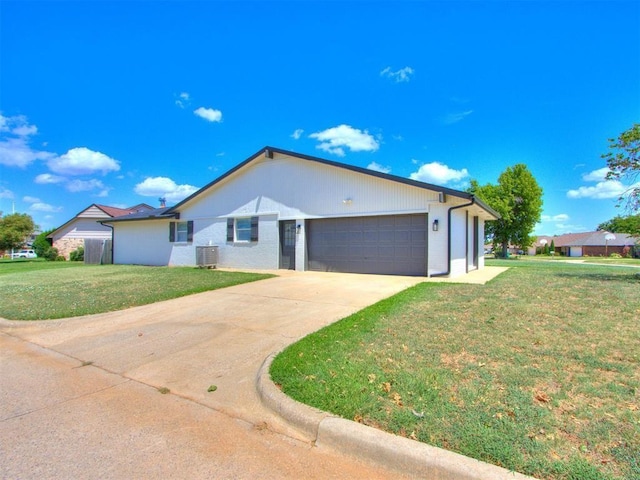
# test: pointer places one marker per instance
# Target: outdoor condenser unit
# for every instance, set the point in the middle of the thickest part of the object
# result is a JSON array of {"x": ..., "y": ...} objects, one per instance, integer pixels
[{"x": 207, "y": 257}]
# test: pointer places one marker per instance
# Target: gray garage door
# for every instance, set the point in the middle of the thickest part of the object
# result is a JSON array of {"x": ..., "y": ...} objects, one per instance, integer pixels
[{"x": 390, "y": 244}]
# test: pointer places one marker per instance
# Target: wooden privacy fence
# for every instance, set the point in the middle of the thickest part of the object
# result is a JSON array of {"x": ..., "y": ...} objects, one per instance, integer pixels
[{"x": 97, "y": 252}]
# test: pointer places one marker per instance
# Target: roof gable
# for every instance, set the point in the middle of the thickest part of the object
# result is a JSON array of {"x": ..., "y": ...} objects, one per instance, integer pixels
[
  {"x": 268, "y": 152},
  {"x": 103, "y": 212}
]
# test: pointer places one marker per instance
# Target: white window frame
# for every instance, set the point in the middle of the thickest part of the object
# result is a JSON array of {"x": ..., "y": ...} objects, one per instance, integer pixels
[
  {"x": 244, "y": 231},
  {"x": 182, "y": 232}
]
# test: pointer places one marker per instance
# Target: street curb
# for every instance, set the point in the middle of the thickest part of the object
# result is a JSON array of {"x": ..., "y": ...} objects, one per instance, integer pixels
[
  {"x": 391, "y": 451},
  {"x": 303, "y": 417}
]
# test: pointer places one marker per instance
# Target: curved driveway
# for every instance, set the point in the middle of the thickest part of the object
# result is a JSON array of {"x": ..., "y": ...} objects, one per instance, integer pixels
[{"x": 79, "y": 397}]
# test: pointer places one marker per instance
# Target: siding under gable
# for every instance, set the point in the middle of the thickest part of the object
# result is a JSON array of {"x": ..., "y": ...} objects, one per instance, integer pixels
[
  {"x": 84, "y": 228},
  {"x": 302, "y": 189},
  {"x": 93, "y": 212}
]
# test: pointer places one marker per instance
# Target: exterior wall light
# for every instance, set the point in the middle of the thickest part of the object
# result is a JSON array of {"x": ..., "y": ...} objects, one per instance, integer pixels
[
  {"x": 298, "y": 229},
  {"x": 435, "y": 225},
  {"x": 347, "y": 201}
]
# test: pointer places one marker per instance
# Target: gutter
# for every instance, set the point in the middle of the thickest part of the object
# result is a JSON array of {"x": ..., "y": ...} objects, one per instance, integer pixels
[
  {"x": 444, "y": 274},
  {"x": 112, "y": 239}
]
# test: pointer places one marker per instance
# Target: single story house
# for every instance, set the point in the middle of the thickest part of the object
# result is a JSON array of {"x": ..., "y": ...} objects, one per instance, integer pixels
[
  {"x": 592, "y": 244},
  {"x": 284, "y": 210},
  {"x": 85, "y": 226}
]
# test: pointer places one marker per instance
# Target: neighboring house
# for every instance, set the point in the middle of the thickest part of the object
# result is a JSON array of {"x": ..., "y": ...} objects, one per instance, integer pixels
[
  {"x": 593, "y": 244},
  {"x": 85, "y": 226},
  {"x": 280, "y": 209}
]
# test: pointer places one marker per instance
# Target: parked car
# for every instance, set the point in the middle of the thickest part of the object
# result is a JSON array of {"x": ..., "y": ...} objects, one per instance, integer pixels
[{"x": 24, "y": 254}]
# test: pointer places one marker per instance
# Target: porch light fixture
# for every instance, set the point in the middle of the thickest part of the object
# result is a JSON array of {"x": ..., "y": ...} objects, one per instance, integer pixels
[
  {"x": 435, "y": 225},
  {"x": 347, "y": 201},
  {"x": 298, "y": 228}
]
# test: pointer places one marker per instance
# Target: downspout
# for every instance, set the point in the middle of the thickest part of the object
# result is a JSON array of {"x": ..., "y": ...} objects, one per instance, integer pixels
[
  {"x": 112, "y": 242},
  {"x": 444, "y": 274}
]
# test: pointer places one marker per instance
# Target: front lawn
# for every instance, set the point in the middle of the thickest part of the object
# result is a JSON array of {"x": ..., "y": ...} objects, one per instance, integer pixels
[
  {"x": 37, "y": 290},
  {"x": 537, "y": 371}
]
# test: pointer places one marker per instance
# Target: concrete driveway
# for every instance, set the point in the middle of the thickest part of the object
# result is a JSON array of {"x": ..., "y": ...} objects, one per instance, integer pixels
[{"x": 79, "y": 397}]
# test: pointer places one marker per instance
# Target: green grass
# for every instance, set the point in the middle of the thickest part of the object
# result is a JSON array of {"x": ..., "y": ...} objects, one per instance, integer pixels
[
  {"x": 537, "y": 371},
  {"x": 609, "y": 260},
  {"x": 561, "y": 258},
  {"x": 37, "y": 290}
]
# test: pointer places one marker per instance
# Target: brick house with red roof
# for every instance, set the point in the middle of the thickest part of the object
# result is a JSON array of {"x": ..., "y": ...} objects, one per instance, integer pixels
[{"x": 592, "y": 244}]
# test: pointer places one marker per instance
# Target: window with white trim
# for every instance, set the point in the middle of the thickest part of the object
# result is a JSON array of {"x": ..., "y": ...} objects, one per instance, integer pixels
[
  {"x": 242, "y": 229},
  {"x": 181, "y": 232}
]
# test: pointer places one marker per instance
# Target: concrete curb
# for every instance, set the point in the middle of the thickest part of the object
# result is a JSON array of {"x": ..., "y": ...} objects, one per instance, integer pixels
[
  {"x": 360, "y": 441},
  {"x": 303, "y": 417}
]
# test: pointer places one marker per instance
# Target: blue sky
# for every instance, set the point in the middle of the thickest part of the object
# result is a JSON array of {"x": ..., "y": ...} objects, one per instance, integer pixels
[{"x": 120, "y": 102}]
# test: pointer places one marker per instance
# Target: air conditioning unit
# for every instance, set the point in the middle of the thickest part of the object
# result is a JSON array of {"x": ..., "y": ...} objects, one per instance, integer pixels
[{"x": 207, "y": 257}]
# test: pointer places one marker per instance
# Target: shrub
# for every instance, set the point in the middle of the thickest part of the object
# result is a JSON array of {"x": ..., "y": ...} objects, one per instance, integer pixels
[
  {"x": 77, "y": 255},
  {"x": 42, "y": 244},
  {"x": 60, "y": 258},
  {"x": 615, "y": 255},
  {"x": 50, "y": 254}
]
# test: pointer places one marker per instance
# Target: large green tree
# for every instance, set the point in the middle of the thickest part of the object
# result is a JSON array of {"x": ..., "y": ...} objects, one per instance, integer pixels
[
  {"x": 629, "y": 225},
  {"x": 14, "y": 230},
  {"x": 518, "y": 199},
  {"x": 623, "y": 161}
]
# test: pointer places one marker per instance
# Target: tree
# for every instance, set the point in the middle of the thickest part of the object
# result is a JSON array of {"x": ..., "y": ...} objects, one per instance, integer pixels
[
  {"x": 518, "y": 199},
  {"x": 14, "y": 229},
  {"x": 623, "y": 161},
  {"x": 629, "y": 225}
]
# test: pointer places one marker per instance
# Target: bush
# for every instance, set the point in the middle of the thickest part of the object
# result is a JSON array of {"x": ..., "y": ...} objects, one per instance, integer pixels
[
  {"x": 50, "y": 254},
  {"x": 42, "y": 244},
  {"x": 77, "y": 255},
  {"x": 60, "y": 258},
  {"x": 615, "y": 255}
]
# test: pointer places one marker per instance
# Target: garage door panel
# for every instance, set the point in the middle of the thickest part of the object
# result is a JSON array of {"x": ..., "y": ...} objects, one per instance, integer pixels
[
  {"x": 392, "y": 245},
  {"x": 402, "y": 237}
]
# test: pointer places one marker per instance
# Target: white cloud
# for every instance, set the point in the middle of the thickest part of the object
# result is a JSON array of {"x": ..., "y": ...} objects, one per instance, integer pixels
[
  {"x": 456, "y": 117},
  {"x": 297, "y": 133},
  {"x": 561, "y": 217},
  {"x": 596, "y": 175},
  {"x": 183, "y": 100},
  {"x": 44, "y": 207},
  {"x": 6, "y": 193},
  {"x": 376, "y": 167},
  {"x": 25, "y": 130},
  {"x": 85, "y": 185},
  {"x": 602, "y": 190},
  {"x": 334, "y": 139},
  {"x": 82, "y": 161},
  {"x": 164, "y": 187},
  {"x": 402, "y": 75},
  {"x": 16, "y": 152},
  {"x": 17, "y": 125},
  {"x": 28, "y": 199},
  {"x": 438, "y": 174},
  {"x": 209, "y": 114},
  {"x": 47, "y": 178}
]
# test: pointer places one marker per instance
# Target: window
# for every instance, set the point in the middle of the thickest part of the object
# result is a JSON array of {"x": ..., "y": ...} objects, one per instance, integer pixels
[
  {"x": 181, "y": 232},
  {"x": 243, "y": 229}
]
